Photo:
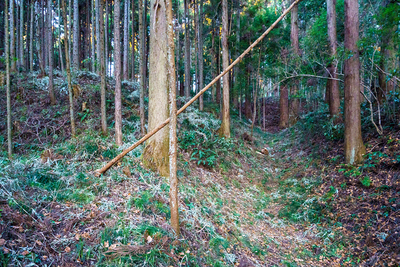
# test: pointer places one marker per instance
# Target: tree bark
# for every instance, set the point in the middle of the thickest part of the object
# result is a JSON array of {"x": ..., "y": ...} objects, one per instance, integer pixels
[
  {"x": 133, "y": 40},
  {"x": 93, "y": 39},
  {"x": 31, "y": 49},
  {"x": 12, "y": 37},
  {"x": 105, "y": 54},
  {"x": 201, "y": 60},
  {"x": 50, "y": 44},
  {"x": 213, "y": 61},
  {"x": 76, "y": 36},
  {"x": 173, "y": 140},
  {"x": 126, "y": 41},
  {"x": 353, "y": 145},
  {"x": 59, "y": 40},
  {"x": 21, "y": 34},
  {"x": 142, "y": 68},
  {"x": 67, "y": 61},
  {"x": 187, "y": 51},
  {"x": 294, "y": 37},
  {"x": 97, "y": 10},
  {"x": 155, "y": 155},
  {"x": 117, "y": 74},
  {"x": 102, "y": 70},
  {"x": 225, "y": 124},
  {"x": 7, "y": 54},
  {"x": 332, "y": 86}
]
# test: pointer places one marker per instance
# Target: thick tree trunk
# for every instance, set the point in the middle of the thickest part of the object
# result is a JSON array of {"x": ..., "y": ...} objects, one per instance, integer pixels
[
  {"x": 7, "y": 54},
  {"x": 142, "y": 67},
  {"x": 294, "y": 37},
  {"x": 117, "y": 73},
  {"x": 283, "y": 107},
  {"x": 102, "y": 71},
  {"x": 126, "y": 40},
  {"x": 155, "y": 155},
  {"x": 31, "y": 49},
  {"x": 21, "y": 34},
  {"x": 353, "y": 145},
  {"x": 225, "y": 124},
  {"x": 332, "y": 86},
  {"x": 187, "y": 51},
  {"x": 75, "y": 52},
  {"x": 68, "y": 64},
  {"x": 50, "y": 42},
  {"x": 173, "y": 140},
  {"x": 201, "y": 60}
]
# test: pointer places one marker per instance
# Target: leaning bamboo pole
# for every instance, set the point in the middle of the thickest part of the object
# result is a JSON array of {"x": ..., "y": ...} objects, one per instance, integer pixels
[{"x": 202, "y": 91}]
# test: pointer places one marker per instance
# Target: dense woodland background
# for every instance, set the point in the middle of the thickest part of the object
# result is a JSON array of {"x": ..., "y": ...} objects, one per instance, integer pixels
[{"x": 290, "y": 159}]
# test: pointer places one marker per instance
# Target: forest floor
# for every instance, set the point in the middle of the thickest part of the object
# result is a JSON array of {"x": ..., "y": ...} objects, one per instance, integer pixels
[{"x": 279, "y": 198}]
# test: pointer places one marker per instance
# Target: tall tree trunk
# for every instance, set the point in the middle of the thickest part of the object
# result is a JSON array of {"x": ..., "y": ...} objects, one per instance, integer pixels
[
  {"x": 102, "y": 70},
  {"x": 76, "y": 36},
  {"x": 97, "y": 65},
  {"x": 178, "y": 50},
  {"x": 93, "y": 40},
  {"x": 354, "y": 148},
  {"x": 43, "y": 37},
  {"x": 155, "y": 155},
  {"x": 39, "y": 42},
  {"x": 201, "y": 60},
  {"x": 70, "y": 27},
  {"x": 294, "y": 37},
  {"x": 106, "y": 37},
  {"x": 21, "y": 34},
  {"x": 173, "y": 141},
  {"x": 31, "y": 49},
  {"x": 225, "y": 124},
  {"x": 196, "y": 44},
  {"x": 7, "y": 53},
  {"x": 126, "y": 41},
  {"x": 332, "y": 86},
  {"x": 283, "y": 107},
  {"x": 133, "y": 40},
  {"x": 213, "y": 62},
  {"x": 218, "y": 71},
  {"x": 142, "y": 68},
  {"x": 187, "y": 51},
  {"x": 87, "y": 35},
  {"x": 117, "y": 73},
  {"x": 68, "y": 68},
  {"x": 50, "y": 44},
  {"x": 12, "y": 37},
  {"x": 59, "y": 39},
  {"x": 237, "y": 51}
]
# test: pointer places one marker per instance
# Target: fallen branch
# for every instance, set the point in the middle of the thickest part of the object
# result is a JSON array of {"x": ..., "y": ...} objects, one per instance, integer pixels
[{"x": 202, "y": 91}]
